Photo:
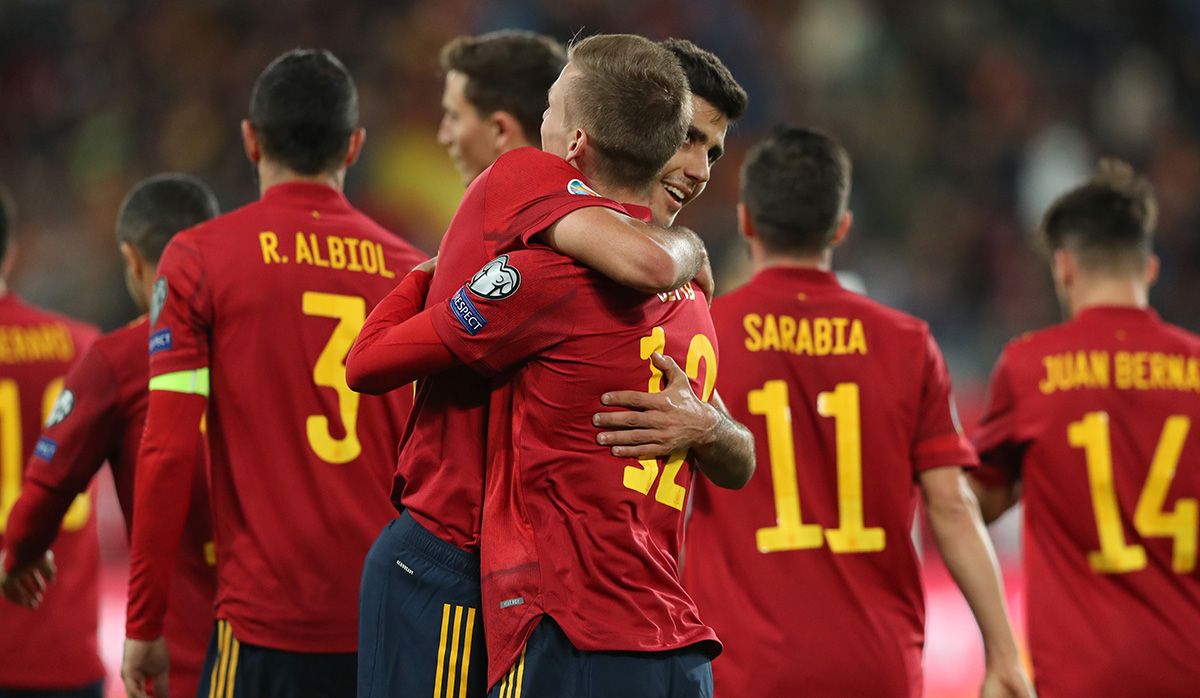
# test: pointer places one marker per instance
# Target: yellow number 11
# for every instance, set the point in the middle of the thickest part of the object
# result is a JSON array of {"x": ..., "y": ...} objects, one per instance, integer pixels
[{"x": 790, "y": 532}]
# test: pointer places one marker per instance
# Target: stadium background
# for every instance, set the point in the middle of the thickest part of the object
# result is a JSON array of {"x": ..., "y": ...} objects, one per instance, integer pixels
[{"x": 964, "y": 119}]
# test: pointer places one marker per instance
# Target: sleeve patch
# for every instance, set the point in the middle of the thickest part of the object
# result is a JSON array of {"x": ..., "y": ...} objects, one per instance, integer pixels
[
  {"x": 62, "y": 408},
  {"x": 466, "y": 312},
  {"x": 496, "y": 280},
  {"x": 578, "y": 188},
  {"x": 158, "y": 299},
  {"x": 45, "y": 448},
  {"x": 160, "y": 340}
]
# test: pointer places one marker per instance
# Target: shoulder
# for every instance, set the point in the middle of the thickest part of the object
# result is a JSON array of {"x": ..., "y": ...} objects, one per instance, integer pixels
[{"x": 1189, "y": 339}]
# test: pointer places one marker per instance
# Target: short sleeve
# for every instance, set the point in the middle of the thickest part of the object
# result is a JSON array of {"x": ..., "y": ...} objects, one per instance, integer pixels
[
  {"x": 514, "y": 308},
  {"x": 939, "y": 438},
  {"x": 529, "y": 190},
  {"x": 180, "y": 311},
  {"x": 82, "y": 429},
  {"x": 1000, "y": 451}
]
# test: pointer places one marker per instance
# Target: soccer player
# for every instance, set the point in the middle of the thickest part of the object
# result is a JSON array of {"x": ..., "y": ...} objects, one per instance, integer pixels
[
  {"x": 100, "y": 416},
  {"x": 423, "y": 633},
  {"x": 809, "y": 575},
  {"x": 494, "y": 96},
  {"x": 261, "y": 304},
  {"x": 51, "y": 650},
  {"x": 1093, "y": 423},
  {"x": 579, "y": 556}
]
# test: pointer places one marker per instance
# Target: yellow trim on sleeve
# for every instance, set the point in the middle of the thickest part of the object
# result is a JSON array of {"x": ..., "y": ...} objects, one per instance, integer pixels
[{"x": 194, "y": 382}]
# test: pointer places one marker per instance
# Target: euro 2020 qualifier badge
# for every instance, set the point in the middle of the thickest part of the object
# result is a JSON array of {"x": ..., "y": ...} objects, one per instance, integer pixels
[
  {"x": 158, "y": 299},
  {"x": 496, "y": 280}
]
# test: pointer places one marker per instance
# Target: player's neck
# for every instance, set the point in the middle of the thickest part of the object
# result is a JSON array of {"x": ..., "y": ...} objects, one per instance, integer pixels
[
  {"x": 622, "y": 194},
  {"x": 271, "y": 174},
  {"x": 762, "y": 258},
  {"x": 3, "y": 288},
  {"x": 1131, "y": 292}
]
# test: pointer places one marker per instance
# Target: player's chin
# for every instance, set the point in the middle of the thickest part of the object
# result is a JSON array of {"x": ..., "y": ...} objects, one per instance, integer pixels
[{"x": 665, "y": 205}]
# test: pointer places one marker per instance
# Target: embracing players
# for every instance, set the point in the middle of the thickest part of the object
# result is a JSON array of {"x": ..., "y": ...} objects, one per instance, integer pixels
[
  {"x": 669, "y": 643},
  {"x": 809, "y": 574},
  {"x": 254, "y": 312},
  {"x": 1093, "y": 423},
  {"x": 100, "y": 416}
]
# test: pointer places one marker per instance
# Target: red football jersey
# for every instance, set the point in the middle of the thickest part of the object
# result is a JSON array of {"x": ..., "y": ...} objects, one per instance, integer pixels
[
  {"x": 809, "y": 574},
  {"x": 1100, "y": 419},
  {"x": 439, "y": 475},
  {"x": 100, "y": 417},
  {"x": 570, "y": 531},
  {"x": 270, "y": 297},
  {"x": 55, "y": 645}
]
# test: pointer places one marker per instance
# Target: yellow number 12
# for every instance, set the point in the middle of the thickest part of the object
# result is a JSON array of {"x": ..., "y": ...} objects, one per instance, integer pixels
[{"x": 789, "y": 531}]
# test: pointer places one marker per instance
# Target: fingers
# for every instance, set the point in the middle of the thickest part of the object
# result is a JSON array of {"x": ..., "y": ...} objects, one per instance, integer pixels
[
  {"x": 643, "y": 451},
  {"x": 632, "y": 398},
  {"x": 668, "y": 366},
  {"x": 627, "y": 420},
  {"x": 46, "y": 567},
  {"x": 630, "y": 437},
  {"x": 161, "y": 689},
  {"x": 135, "y": 683}
]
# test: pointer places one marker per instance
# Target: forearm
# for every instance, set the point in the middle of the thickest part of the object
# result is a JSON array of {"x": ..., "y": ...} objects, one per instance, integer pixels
[
  {"x": 33, "y": 524},
  {"x": 727, "y": 458},
  {"x": 680, "y": 248},
  {"x": 376, "y": 362},
  {"x": 968, "y": 554},
  {"x": 162, "y": 489}
]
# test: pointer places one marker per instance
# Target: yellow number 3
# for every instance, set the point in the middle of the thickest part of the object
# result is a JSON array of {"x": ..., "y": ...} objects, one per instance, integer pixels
[{"x": 330, "y": 372}]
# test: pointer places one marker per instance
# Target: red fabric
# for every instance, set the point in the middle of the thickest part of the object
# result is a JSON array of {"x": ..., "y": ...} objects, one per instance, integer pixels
[
  {"x": 271, "y": 296},
  {"x": 55, "y": 645},
  {"x": 391, "y": 352},
  {"x": 106, "y": 422},
  {"x": 439, "y": 474},
  {"x": 1093, "y": 632},
  {"x": 824, "y": 623},
  {"x": 562, "y": 533}
]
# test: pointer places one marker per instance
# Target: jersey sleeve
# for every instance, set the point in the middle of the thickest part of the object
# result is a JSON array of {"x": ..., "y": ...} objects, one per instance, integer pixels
[
  {"x": 939, "y": 438},
  {"x": 529, "y": 190},
  {"x": 1000, "y": 450},
  {"x": 517, "y": 306},
  {"x": 180, "y": 312}
]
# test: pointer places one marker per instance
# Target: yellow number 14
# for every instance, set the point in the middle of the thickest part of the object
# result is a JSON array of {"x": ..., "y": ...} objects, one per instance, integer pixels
[
  {"x": 1115, "y": 555},
  {"x": 789, "y": 531}
]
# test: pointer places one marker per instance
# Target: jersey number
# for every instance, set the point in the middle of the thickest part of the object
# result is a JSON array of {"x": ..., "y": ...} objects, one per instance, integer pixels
[
  {"x": 10, "y": 454},
  {"x": 790, "y": 532},
  {"x": 330, "y": 372},
  {"x": 641, "y": 477},
  {"x": 1150, "y": 521}
]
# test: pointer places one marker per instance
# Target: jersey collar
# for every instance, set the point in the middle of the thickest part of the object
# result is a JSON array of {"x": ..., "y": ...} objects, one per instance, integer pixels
[
  {"x": 306, "y": 192},
  {"x": 803, "y": 276},
  {"x": 1116, "y": 312},
  {"x": 642, "y": 213}
]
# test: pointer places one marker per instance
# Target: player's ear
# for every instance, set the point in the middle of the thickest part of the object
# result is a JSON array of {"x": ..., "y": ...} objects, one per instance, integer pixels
[
  {"x": 745, "y": 224},
  {"x": 1152, "y": 268},
  {"x": 357, "y": 137},
  {"x": 1063, "y": 268},
  {"x": 250, "y": 142},
  {"x": 843, "y": 229},
  {"x": 578, "y": 146},
  {"x": 506, "y": 132},
  {"x": 133, "y": 261}
]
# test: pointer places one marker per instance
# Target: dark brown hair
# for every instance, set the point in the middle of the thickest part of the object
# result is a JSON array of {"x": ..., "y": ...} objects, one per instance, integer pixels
[
  {"x": 708, "y": 78},
  {"x": 1108, "y": 221},
  {"x": 795, "y": 185}
]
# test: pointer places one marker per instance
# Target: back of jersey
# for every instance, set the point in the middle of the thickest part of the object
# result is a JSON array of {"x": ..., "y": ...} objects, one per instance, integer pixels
[
  {"x": 1098, "y": 418},
  {"x": 271, "y": 297},
  {"x": 55, "y": 645},
  {"x": 808, "y": 574}
]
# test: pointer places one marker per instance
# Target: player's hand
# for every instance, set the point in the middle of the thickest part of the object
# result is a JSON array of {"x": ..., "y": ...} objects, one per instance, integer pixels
[
  {"x": 428, "y": 266},
  {"x": 657, "y": 424},
  {"x": 145, "y": 661},
  {"x": 26, "y": 586},
  {"x": 1006, "y": 681}
]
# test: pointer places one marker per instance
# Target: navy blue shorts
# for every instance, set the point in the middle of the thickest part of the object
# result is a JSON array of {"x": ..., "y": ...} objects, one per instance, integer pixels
[
  {"x": 236, "y": 669},
  {"x": 419, "y": 628},
  {"x": 95, "y": 690},
  {"x": 551, "y": 667}
]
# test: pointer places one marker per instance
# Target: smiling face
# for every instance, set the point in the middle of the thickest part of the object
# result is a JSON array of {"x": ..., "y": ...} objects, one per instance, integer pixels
[
  {"x": 686, "y": 173},
  {"x": 468, "y": 137}
]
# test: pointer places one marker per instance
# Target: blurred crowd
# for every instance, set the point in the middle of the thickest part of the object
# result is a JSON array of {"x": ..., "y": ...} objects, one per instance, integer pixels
[{"x": 964, "y": 119}]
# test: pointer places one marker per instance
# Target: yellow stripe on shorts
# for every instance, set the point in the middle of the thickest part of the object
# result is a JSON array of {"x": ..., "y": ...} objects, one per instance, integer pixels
[{"x": 458, "y": 629}]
